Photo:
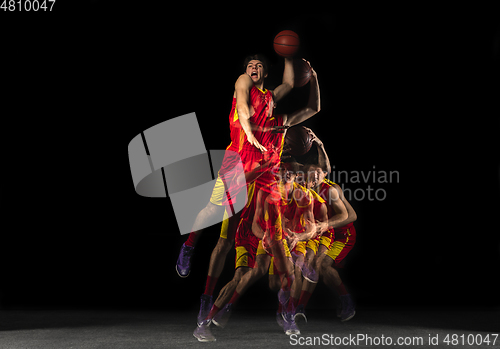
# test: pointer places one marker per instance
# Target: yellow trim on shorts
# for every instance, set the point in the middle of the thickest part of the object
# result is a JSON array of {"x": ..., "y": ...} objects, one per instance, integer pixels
[
  {"x": 225, "y": 225},
  {"x": 300, "y": 247},
  {"x": 241, "y": 257},
  {"x": 336, "y": 247},
  {"x": 313, "y": 245},
  {"x": 326, "y": 241},
  {"x": 218, "y": 192}
]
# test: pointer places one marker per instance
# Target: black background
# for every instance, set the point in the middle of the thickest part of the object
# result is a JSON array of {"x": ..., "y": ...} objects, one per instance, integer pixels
[{"x": 407, "y": 90}]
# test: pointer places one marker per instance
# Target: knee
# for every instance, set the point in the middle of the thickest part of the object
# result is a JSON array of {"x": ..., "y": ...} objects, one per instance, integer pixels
[
  {"x": 211, "y": 209},
  {"x": 260, "y": 272},
  {"x": 326, "y": 263},
  {"x": 274, "y": 283},
  {"x": 224, "y": 245},
  {"x": 239, "y": 274}
]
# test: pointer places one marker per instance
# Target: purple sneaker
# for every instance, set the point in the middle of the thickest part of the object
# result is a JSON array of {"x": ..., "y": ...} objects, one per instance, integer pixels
[
  {"x": 203, "y": 333},
  {"x": 348, "y": 311},
  {"x": 206, "y": 303},
  {"x": 309, "y": 274},
  {"x": 300, "y": 313},
  {"x": 289, "y": 326},
  {"x": 183, "y": 266},
  {"x": 220, "y": 319}
]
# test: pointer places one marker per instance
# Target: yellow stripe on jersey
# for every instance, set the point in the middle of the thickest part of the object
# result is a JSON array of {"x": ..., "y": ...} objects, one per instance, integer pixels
[
  {"x": 235, "y": 116},
  {"x": 310, "y": 200},
  {"x": 242, "y": 140},
  {"x": 251, "y": 190},
  {"x": 316, "y": 196},
  {"x": 277, "y": 225},
  {"x": 329, "y": 182}
]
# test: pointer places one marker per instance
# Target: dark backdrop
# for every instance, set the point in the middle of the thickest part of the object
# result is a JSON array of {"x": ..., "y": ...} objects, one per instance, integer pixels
[{"x": 408, "y": 91}]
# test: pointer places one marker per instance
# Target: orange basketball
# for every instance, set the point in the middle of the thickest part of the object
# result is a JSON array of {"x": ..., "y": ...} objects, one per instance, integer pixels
[{"x": 286, "y": 43}]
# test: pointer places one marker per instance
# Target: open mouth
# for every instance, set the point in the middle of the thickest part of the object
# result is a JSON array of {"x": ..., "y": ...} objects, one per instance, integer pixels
[{"x": 254, "y": 74}]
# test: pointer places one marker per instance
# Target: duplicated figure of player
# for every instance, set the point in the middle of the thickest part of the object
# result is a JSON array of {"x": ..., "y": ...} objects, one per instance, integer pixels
[
  {"x": 246, "y": 252},
  {"x": 341, "y": 216},
  {"x": 257, "y": 235},
  {"x": 252, "y": 126}
]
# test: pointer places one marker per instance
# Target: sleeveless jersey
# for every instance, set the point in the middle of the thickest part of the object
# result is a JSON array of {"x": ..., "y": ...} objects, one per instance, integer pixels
[{"x": 262, "y": 117}]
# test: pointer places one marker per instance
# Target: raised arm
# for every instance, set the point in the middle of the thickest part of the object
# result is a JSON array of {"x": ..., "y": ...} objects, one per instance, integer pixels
[
  {"x": 242, "y": 88},
  {"x": 287, "y": 83},
  {"x": 323, "y": 160},
  {"x": 313, "y": 105}
]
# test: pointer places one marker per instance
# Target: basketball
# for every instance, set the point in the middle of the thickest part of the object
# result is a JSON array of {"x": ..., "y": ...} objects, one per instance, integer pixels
[
  {"x": 286, "y": 43},
  {"x": 302, "y": 71},
  {"x": 299, "y": 140}
]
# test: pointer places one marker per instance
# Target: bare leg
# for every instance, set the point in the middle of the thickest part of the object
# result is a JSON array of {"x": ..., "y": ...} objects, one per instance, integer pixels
[
  {"x": 228, "y": 290},
  {"x": 331, "y": 277},
  {"x": 210, "y": 215},
  {"x": 259, "y": 270}
]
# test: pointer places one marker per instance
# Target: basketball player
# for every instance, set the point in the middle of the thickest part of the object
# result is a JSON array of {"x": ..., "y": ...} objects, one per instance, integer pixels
[
  {"x": 341, "y": 217},
  {"x": 252, "y": 105},
  {"x": 282, "y": 122},
  {"x": 252, "y": 260}
]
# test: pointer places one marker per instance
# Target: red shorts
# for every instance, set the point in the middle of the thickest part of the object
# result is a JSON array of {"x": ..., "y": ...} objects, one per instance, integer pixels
[
  {"x": 247, "y": 245},
  {"x": 252, "y": 161},
  {"x": 345, "y": 238}
]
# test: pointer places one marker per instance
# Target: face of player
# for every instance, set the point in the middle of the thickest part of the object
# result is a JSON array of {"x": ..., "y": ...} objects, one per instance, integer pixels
[
  {"x": 315, "y": 176},
  {"x": 285, "y": 176},
  {"x": 255, "y": 69},
  {"x": 301, "y": 178}
]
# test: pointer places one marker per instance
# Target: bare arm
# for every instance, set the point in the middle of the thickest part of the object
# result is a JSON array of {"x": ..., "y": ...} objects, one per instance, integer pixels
[
  {"x": 323, "y": 160},
  {"x": 337, "y": 205},
  {"x": 352, "y": 216},
  {"x": 287, "y": 83},
  {"x": 242, "y": 88},
  {"x": 313, "y": 105}
]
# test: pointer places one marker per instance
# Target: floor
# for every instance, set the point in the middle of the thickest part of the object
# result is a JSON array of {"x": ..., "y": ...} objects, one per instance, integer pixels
[{"x": 247, "y": 328}]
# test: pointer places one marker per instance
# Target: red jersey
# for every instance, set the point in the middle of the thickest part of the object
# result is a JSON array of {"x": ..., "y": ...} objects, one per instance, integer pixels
[
  {"x": 262, "y": 117},
  {"x": 262, "y": 120}
]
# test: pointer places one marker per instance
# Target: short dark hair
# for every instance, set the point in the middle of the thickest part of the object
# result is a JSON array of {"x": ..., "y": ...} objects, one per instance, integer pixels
[
  {"x": 307, "y": 167},
  {"x": 291, "y": 164},
  {"x": 259, "y": 57}
]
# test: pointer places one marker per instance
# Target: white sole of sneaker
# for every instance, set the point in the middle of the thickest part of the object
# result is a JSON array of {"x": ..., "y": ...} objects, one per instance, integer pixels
[
  {"x": 300, "y": 317},
  {"x": 180, "y": 274},
  {"x": 217, "y": 324},
  {"x": 349, "y": 318},
  {"x": 201, "y": 339}
]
